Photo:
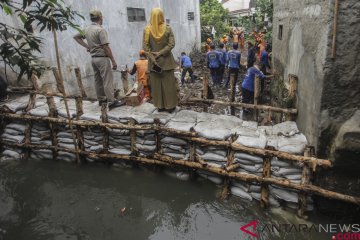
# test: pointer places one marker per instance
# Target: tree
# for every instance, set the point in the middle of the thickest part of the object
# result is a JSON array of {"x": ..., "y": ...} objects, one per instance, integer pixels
[
  {"x": 213, "y": 14},
  {"x": 19, "y": 46}
]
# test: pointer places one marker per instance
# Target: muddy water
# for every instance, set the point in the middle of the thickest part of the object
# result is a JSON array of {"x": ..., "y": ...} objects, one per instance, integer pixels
[{"x": 52, "y": 200}]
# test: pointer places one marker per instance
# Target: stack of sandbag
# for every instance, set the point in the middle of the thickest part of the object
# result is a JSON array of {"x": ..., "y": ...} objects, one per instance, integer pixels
[
  {"x": 176, "y": 146},
  {"x": 146, "y": 114},
  {"x": 173, "y": 145},
  {"x": 13, "y": 133},
  {"x": 286, "y": 137},
  {"x": 16, "y": 105},
  {"x": 64, "y": 134},
  {"x": 249, "y": 135},
  {"x": 40, "y": 131},
  {"x": 214, "y": 127},
  {"x": 120, "y": 140}
]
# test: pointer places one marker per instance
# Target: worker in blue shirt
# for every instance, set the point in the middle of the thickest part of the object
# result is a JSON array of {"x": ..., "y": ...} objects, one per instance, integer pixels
[
  {"x": 249, "y": 82},
  {"x": 213, "y": 63},
  {"x": 223, "y": 56},
  {"x": 233, "y": 63},
  {"x": 264, "y": 65},
  {"x": 186, "y": 65}
]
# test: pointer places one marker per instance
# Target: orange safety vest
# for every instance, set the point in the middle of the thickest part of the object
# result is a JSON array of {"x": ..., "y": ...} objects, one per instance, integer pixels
[{"x": 142, "y": 76}]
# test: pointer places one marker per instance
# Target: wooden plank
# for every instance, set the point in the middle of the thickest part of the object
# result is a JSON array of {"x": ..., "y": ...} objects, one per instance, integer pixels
[{"x": 80, "y": 83}]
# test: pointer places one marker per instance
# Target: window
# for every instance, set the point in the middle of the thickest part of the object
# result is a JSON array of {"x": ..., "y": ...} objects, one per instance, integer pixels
[
  {"x": 136, "y": 14},
  {"x": 280, "y": 33},
  {"x": 191, "y": 16}
]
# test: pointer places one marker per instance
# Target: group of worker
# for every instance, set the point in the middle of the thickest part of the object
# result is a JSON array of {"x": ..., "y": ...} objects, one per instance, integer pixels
[
  {"x": 257, "y": 64},
  {"x": 155, "y": 68}
]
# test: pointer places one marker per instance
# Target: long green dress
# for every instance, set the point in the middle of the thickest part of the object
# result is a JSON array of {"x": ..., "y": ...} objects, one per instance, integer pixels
[{"x": 163, "y": 86}]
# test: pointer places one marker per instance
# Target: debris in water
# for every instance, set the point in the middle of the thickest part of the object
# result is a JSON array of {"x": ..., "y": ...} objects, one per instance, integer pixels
[{"x": 122, "y": 211}]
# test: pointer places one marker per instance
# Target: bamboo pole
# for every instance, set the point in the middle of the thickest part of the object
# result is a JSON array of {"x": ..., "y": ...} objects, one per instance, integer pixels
[
  {"x": 134, "y": 149},
  {"x": 205, "y": 91},
  {"x": 28, "y": 130},
  {"x": 168, "y": 161},
  {"x": 80, "y": 134},
  {"x": 264, "y": 201},
  {"x": 53, "y": 128},
  {"x": 61, "y": 88},
  {"x": 80, "y": 83},
  {"x": 230, "y": 160},
  {"x": 104, "y": 119},
  {"x": 256, "y": 97},
  {"x": 125, "y": 81},
  {"x": 305, "y": 180},
  {"x": 232, "y": 94},
  {"x": 243, "y": 105},
  {"x": 336, "y": 14},
  {"x": 157, "y": 135},
  {"x": 188, "y": 135},
  {"x": 34, "y": 81}
]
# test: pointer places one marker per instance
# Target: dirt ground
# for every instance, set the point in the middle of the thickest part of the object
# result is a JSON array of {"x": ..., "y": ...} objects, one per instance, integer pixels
[{"x": 220, "y": 93}]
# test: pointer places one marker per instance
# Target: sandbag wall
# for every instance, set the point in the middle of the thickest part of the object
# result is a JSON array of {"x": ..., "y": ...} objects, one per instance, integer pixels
[{"x": 283, "y": 137}]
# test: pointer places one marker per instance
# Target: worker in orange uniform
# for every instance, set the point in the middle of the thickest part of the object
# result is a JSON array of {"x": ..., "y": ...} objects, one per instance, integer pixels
[
  {"x": 225, "y": 41},
  {"x": 141, "y": 69},
  {"x": 208, "y": 43}
]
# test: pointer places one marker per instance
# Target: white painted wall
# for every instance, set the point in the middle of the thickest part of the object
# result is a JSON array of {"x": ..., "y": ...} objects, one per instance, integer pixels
[{"x": 125, "y": 37}]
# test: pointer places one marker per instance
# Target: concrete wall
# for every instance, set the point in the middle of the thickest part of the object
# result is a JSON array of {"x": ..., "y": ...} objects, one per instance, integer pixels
[
  {"x": 302, "y": 52},
  {"x": 329, "y": 89},
  {"x": 125, "y": 37},
  {"x": 341, "y": 94}
]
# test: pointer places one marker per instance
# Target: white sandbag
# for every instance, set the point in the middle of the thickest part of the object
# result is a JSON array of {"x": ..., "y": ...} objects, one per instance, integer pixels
[
  {"x": 214, "y": 179},
  {"x": 120, "y": 151},
  {"x": 169, "y": 150},
  {"x": 242, "y": 185},
  {"x": 250, "y": 124},
  {"x": 256, "y": 196},
  {"x": 244, "y": 162},
  {"x": 177, "y": 156},
  {"x": 254, "y": 142},
  {"x": 294, "y": 177},
  {"x": 252, "y": 169},
  {"x": 175, "y": 147},
  {"x": 255, "y": 188},
  {"x": 285, "y": 128},
  {"x": 268, "y": 130},
  {"x": 175, "y": 141},
  {"x": 180, "y": 126},
  {"x": 275, "y": 162},
  {"x": 243, "y": 131},
  {"x": 10, "y": 153},
  {"x": 146, "y": 147},
  {"x": 17, "y": 127},
  {"x": 213, "y": 157},
  {"x": 286, "y": 195},
  {"x": 252, "y": 158},
  {"x": 240, "y": 193},
  {"x": 13, "y": 138}
]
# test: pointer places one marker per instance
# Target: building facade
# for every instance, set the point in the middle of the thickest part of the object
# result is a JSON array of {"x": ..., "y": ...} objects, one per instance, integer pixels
[{"x": 124, "y": 21}]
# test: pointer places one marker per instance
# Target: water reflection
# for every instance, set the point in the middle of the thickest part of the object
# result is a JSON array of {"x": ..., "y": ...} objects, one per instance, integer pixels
[{"x": 48, "y": 200}]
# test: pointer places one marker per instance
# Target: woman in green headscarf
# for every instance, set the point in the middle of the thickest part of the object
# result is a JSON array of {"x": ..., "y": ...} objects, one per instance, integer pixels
[{"x": 158, "y": 42}]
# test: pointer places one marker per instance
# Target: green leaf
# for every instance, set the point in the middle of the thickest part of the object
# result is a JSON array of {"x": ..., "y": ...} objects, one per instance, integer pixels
[
  {"x": 23, "y": 18},
  {"x": 7, "y": 9}
]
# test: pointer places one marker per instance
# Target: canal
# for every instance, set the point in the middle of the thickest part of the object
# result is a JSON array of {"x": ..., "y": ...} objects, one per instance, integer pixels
[{"x": 55, "y": 200}]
